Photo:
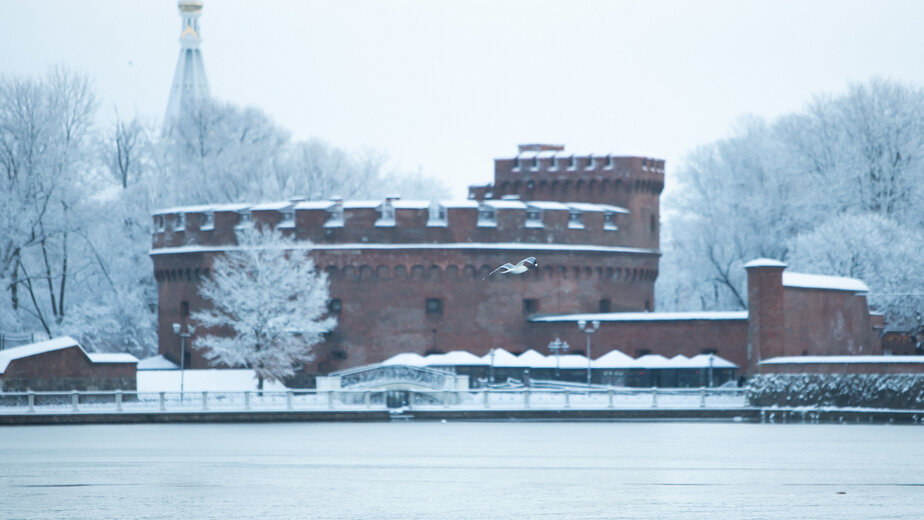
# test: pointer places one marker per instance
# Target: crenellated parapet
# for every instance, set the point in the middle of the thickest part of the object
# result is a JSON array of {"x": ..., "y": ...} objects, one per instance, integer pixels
[
  {"x": 547, "y": 172},
  {"x": 395, "y": 221},
  {"x": 556, "y": 175}
]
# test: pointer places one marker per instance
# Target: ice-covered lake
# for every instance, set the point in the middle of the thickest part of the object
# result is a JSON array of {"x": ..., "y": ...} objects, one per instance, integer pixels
[{"x": 462, "y": 470}]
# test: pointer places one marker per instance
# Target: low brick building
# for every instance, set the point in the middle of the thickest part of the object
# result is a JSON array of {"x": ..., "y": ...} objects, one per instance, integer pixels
[{"x": 61, "y": 364}]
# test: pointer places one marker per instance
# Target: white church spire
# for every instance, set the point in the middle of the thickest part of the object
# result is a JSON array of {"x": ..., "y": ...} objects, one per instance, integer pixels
[{"x": 189, "y": 83}]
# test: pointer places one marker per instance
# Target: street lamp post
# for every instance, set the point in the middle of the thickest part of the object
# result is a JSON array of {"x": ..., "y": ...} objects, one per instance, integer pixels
[
  {"x": 589, "y": 328},
  {"x": 178, "y": 330},
  {"x": 711, "y": 363},
  {"x": 558, "y": 346}
]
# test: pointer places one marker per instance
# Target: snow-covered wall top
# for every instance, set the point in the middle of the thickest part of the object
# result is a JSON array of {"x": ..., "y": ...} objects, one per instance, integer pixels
[
  {"x": 818, "y": 281},
  {"x": 801, "y": 360},
  {"x": 394, "y": 221},
  {"x": 645, "y": 316}
]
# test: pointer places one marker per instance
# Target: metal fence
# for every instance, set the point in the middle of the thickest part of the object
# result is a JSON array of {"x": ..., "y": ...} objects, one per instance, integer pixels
[{"x": 76, "y": 402}]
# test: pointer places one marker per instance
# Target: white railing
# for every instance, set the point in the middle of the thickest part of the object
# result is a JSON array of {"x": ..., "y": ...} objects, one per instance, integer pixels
[{"x": 76, "y": 402}]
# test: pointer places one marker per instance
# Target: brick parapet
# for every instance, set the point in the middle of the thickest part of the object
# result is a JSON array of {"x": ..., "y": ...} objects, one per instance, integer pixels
[{"x": 325, "y": 223}]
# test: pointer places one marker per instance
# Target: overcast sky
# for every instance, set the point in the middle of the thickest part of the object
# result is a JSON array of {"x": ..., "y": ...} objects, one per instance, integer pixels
[{"x": 445, "y": 87}]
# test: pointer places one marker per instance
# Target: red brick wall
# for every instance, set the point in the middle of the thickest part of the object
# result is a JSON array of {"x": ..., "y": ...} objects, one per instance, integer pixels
[
  {"x": 666, "y": 337},
  {"x": 822, "y": 322},
  {"x": 384, "y": 291}
]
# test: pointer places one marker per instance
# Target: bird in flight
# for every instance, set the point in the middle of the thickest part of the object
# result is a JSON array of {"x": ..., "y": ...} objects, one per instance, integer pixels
[{"x": 521, "y": 267}]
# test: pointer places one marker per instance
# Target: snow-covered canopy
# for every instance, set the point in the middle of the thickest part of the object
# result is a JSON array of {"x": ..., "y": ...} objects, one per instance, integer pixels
[{"x": 534, "y": 359}]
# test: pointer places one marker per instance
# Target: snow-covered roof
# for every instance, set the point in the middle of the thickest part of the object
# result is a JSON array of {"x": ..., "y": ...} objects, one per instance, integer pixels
[
  {"x": 504, "y": 204},
  {"x": 314, "y": 204},
  {"x": 533, "y": 359},
  {"x": 653, "y": 361},
  {"x": 63, "y": 342},
  {"x": 270, "y": 206},
  {"x": 588, "y": 207},
  {"x": 529, "y": 154},
  {"x": 406, "y": 358},
  {"x": 456, "y": 245},
  {"x": 818, "y": 281},
  {"x": 411, "y": 204},
  {"x": 462, "y": 203},
  {"x": 571, "y": 361},
  {"x": 785, "y": 360},
  {"x": 454, "y": 358},
  {"x": 111, "y": 357},
  {"x": 548, "y": 205},
  {"x": 502, "y": 358},
  {"x": 703, "y": 361},
  {"x": 765, "y": 262},
  {"x": 32, "y": 349},
  {"x": 362, "y": 204},
  {"x": 644, "y": 316},
  {"x": 614, "y": 359},
  {"x": 158, "y": 362}
]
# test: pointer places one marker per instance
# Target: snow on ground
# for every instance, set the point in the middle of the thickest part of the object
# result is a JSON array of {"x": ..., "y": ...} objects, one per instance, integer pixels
[{"x": 207, "y": 380}]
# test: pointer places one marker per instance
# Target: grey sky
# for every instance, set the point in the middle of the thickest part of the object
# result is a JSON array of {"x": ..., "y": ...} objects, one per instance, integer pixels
[{"x": 446, "y": 87}]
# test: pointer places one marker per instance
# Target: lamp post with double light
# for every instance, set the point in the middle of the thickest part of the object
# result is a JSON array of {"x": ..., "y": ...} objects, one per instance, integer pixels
[
  {"x": 589, "y": 327},
  {"x": 178, "y": 330},
  {"x": 557, "y": 347}
]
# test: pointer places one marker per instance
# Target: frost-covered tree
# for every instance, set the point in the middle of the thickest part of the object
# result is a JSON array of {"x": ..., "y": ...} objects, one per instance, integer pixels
[
  {"x": 267, "y": 306},
  {"x": 876, "y": 250},
  {"x": 45, "y": 135},
  {"x": 843, "y": 159},
  {"x": 218, "y": 152},
  {"x": 318, "y": 170}
]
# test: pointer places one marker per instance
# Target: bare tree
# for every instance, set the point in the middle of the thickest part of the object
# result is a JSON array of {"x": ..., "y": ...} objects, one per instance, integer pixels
[
  {"x": 45, "y": 127},
  {"x": 123, "y": 150}
]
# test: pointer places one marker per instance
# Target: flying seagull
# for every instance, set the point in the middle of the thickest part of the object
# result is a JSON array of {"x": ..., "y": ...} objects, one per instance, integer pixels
[{"x": 522, "y": 266}]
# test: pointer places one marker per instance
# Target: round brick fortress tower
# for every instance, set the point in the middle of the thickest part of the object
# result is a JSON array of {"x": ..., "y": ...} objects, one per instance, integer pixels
[{"x": 406, "y": 276}]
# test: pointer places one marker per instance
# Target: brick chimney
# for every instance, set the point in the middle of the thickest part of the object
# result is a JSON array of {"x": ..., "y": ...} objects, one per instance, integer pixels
[{"x": 765, "y": 311}]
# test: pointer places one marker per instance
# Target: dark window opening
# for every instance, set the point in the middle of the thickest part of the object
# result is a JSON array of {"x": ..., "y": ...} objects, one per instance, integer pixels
[
  {"x": 434, "y": 306},
  {"x": 639, "y": 352},
  {"x": 606, "y": 305},
  {"x": 338, "y": 354},
  {"x": 710, "y": 351},
  {"x": 334, "y": 306},
  {"x": 653, "y": 222},
  {"x": 516, "y": 162},
  {"x": 530, "y": 305},
  {"x": 648, "y": 305},
  {"x": 184, "y": 308}
]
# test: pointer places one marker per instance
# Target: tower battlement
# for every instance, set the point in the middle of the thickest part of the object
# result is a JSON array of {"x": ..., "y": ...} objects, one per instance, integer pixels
[
  {"x": 395, "y": 221},
  {"x": 547, "y": 172}
]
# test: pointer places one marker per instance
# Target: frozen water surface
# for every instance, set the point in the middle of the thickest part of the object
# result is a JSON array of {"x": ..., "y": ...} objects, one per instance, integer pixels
[{"x": 495, "y": 470}]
